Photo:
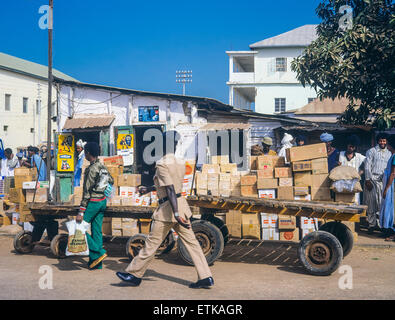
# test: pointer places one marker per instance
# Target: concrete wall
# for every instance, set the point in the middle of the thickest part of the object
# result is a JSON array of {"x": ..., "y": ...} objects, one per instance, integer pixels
[{"x": 20, "y": 124}]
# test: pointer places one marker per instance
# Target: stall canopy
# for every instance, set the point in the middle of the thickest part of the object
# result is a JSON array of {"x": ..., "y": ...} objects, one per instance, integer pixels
[
  {"x": 225, "y": 126},
  {"x": 86, "y": 121}
]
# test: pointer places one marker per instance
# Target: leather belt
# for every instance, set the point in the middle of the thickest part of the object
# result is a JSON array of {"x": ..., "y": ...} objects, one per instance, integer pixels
[{"x": 163, "y": 200}]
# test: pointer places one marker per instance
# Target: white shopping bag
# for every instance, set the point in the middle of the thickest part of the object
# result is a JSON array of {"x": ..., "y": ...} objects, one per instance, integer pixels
[{"x": 77, "y": 244}]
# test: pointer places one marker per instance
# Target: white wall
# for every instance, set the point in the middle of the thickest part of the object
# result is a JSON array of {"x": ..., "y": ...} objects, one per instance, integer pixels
[{"x": 19, "y": 123}]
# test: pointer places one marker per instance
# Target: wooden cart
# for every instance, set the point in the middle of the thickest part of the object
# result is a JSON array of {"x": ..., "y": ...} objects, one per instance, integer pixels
[{"x": 320, "y": 252}]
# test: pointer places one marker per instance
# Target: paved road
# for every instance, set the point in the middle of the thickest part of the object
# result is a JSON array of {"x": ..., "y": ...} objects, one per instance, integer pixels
[{"x": 244, "y": 272}]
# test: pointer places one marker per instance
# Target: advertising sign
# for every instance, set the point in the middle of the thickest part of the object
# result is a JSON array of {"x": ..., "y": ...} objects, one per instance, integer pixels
[
  {"x": 125, "y": 143},
  {"x": 66, "y": 150},
  {"x": 149, "y": 114}
]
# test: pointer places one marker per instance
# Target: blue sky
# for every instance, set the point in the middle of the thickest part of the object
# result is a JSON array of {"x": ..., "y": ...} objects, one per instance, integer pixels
[{"x": 140, "y": 45}]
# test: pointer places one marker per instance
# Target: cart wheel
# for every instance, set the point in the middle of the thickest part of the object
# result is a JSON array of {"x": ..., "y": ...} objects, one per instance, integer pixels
[
  {"x": 210, "y": 239},
  {"x": 320, "y": 253},
  {"x": 219, "y": 224},
  {"x": 342, "y": 233},
  {"x": 59, "y": 245},
  {"x": 167, "y": 245},
  {"x": 23, "y": 242},
  {"x": 135, "y": 244}
]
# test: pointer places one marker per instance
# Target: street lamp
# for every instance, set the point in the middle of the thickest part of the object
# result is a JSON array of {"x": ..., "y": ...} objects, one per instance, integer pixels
[{"x": 183, "y": 76}]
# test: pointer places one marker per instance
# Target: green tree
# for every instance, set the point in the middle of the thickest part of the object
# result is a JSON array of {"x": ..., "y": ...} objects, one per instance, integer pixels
[{"x": 356, "y": 63}]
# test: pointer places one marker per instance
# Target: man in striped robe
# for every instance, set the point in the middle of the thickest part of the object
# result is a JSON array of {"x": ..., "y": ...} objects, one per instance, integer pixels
[{"x": 375, "y": 164}]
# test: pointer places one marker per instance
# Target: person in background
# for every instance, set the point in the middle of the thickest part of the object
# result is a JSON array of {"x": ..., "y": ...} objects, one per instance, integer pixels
[
  {"x": 97, "y": 186},
  {"x": 9, "y": 163},
  {"x": 300, "y": 140},
  {"x": 351, "y": 158},
  {"x": 375, "y": 164},
  {"x": 19, "y": 155},
  {"x": 81, "y": 157},
  {"x": 387, "y": 204},
  {"x": 333, "y": 153},
  {"x": 264, "y": 149},
  {"x": 286, "y": 143},
  {"x": 36, "y": 162}
]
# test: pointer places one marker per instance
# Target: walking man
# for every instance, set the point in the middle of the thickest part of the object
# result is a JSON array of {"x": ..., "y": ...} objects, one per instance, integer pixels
[
  {"x": 375, "y": 164},
  {"x": 173, "y": 212}
]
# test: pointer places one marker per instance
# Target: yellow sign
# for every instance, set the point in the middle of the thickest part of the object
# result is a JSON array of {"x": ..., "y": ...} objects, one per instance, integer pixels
[
  {"x": 66, "y": 151},
  {"x": 125, "y": 141}
]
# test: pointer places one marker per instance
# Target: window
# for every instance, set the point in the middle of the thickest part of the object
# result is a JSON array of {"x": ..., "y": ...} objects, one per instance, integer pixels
[
  {"x": 7, "y": 102},
  {"x": 5, "y": 128},
  {"x": 279, "y": 105},
  {"x": 25, "y": 100},
  {"x": 31, "y": 130},
  {"x": 309, "y": 100},
  {"x": 281, "y": 64},
  {"x": 38, "y": 104}
]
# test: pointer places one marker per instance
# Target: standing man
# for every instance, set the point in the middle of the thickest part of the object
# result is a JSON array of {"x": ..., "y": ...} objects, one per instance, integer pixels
[
  {"x": 375, "y": 164},
  {"x": 97, "y": 185},
  {"x": 286, "y": 143},
  {"x": 81, "y": 157},
  {"x": 9, "y": 163},
  {"x": 333, "y": 153},
  {"x": 353, "y": 159},
  {"x": 173, "y": 212},
  {"x": 37, "y": 162},
  {"x": 300, "y": 140},
  {"x": 264, "y": 149}
]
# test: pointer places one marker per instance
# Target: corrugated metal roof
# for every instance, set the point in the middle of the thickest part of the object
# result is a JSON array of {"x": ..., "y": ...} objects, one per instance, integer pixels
[
  {"x": 85, "y": 121},
  {"x": 11, "y": 63},
  {"x": 326, "y": 106},
  {"x": 225, "y": 126},
  {"x": 299, "y": 37}
]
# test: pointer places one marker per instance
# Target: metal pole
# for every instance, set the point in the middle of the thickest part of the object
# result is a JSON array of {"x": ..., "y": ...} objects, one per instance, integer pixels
[{"x": 49, "y": 129}]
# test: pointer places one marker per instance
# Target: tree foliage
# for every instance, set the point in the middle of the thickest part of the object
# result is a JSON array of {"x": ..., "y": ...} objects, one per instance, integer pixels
[{"x": 357, "y": 63}]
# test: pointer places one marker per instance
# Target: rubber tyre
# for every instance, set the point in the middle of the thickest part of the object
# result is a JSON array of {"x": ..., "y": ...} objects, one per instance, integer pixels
[
  {"x": 219, "y": 224},
  {"x": 167, "y": 245},
  {"x": 135, "y": 244},
  {"x": 342, "y": 233},
  {"x": 210, "y": 238},
  {"x": 310, "y": 253},
  {"x": 59, "y": 245},
  {"x": 23, "y": 242}
]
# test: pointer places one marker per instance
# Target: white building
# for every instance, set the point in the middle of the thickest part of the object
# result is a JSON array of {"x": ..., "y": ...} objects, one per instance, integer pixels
[
  {"x": 23, "y": 101},
  {"x": 261, "y": 79}
]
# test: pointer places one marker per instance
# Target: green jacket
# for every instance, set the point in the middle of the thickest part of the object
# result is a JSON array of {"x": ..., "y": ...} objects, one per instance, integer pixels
[{"x": 96, "y": 180}]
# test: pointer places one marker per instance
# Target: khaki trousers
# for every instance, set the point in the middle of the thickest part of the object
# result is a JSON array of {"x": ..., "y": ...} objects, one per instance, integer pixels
[{"x": 159, "y": 231}]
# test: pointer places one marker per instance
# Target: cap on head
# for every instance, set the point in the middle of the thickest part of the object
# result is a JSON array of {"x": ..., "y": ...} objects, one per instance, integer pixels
[
  {"x": 268, "y": 141},
  {"x": 326, "y": 137}
]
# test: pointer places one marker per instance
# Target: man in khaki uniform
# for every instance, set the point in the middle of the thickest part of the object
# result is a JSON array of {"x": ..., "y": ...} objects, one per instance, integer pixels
[{"x": 173, "y": 212}]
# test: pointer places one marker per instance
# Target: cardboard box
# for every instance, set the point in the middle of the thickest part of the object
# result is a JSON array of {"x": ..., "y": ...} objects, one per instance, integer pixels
[
  {"x": 213, "y": 192},
  {"x": 307, "y": 152},
  {"x": 127, "y": 201},
  {"x": 106, "y": 228},
  {"x": 267, "y": 183},
  {"x": 285, "y": 193},
  {"x": 116, "y": 232},
  {"x": 268, "y": 220},
  {"x": 22, "y": 171},
  {"x": 254, "y": 163},
  {"x": 319, "y": 166},
  {"x": 16, "y": 195},
  {"x": 249, "y": 191},
  {"x": 201, "y": 180},
  {"x": 345, "y": 197},
  {"x": 77, "y": 200},
  {"x": 211, "y": 168},
  {"x": 270, "y": 234},
  {"x": 309, "y": 223},
  {"x": 278, "y": 161},
  {"x": 229, "y": 168},
  {"x": 78, "y": 191},
  {"x": 224, "y": 159},
  {"x": 251, "y": 228},
  {"x": 19, "y": 180},
  {"x": 234, "y": 230},
  {"x": 267, "y": 194},
  {"x": 233, "y": 217},
  {"x": 320, "y": 181},
  {"x": 284, "y": 172},
  {"x": 235, "y": 191},
  {"x": 321, "y": 194},
  {"x": 303, "y": 179},
  {"x": 224, "y": 177},
  {"x": 41, "y": 195},
  {"x": 145, "y": 226},
  {"x": 289, "y": 235},
  {"x": 266, "y": 173},
  {"x": 248, "y": 180},
  {"x": 201, "y": 192},
  {"x": 285, "y": 182},
  {"x": 116, "y": 223},
  {"x": 286, "y": 222},
  {"x": 116, "y": 201},
  {"x": 306, "y": 197},
  {"x": 129, "y": 180},
  {"x": 265, "y": 162},
  {"x": 301, "y": 166},
  {"x": 113, "y": 161},
  {"x": 301, "y": 191},
  {"x": 305, "y": 232}
]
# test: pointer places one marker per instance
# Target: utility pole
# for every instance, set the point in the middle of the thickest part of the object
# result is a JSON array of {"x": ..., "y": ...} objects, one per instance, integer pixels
[
  {"x": 49, "y": 129},
  {"x": 38, "y": 111},
  {"x": 183, "y": 77}
]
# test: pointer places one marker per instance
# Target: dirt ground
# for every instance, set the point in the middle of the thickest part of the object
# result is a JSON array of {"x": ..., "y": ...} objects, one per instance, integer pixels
[{"x": 245, "y": 272}]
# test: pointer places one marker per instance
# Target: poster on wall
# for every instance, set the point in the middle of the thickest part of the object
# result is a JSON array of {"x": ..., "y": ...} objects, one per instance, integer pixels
[
  {"x": 149, "y": 114},
  {"x": 125, "y": 143},
  {"x": 66, "y": 152}
]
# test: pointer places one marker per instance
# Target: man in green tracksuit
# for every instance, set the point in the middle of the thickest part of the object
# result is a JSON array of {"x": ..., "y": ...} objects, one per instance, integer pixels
[{"x": 97, "y": 180}]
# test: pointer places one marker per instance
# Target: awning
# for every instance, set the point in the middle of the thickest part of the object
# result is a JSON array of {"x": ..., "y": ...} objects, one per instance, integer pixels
[
  {"x": 225, "y": 126},
  {"x": 85, "y": 121}
]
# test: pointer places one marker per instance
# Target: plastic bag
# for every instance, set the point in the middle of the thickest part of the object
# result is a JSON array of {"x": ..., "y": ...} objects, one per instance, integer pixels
[
  {"x": 344, "y": 173},
  {"x": 347, "y": 186},
  {"x": 77, "y": 244},
  {"x": 109, "y": 192}
]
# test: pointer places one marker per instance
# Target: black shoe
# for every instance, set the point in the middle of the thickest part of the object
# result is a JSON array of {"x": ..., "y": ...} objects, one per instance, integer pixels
[
  {"x": 131, "y": 279},
  {"x": 204, "y": 283},
  {"x": 371, "y": 230}
]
